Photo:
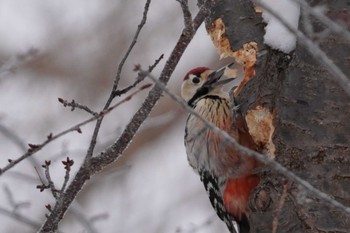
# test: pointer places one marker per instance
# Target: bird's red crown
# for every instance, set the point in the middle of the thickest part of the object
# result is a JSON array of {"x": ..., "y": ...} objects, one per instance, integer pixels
[{"x": 196, "y": 71}]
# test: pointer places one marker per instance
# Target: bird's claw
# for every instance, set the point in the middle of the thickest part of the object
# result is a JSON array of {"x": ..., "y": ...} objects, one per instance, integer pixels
[{"x": 236, "y": 107}]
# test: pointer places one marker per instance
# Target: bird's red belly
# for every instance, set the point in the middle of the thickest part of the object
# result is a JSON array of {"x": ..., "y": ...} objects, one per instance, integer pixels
[{"x": 236, "y": 194}]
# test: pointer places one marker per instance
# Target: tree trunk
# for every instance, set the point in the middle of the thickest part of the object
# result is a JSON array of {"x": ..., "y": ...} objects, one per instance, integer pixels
[{"x": 305, "y": 126}]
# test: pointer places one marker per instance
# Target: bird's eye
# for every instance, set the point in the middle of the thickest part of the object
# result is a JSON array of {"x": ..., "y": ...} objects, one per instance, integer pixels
[{"x": 196, "y": 80}]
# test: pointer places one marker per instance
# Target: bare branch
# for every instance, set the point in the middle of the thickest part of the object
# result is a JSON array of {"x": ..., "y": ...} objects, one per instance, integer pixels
[
  {"x": 41, "y": 186},
  {"x": 138, "y": 80},
  {"x": 51, "y": 184},
  {"x": 50, "y": 138},
  {"x": 75, "y": 209},
  {"x": 74, "y": 105},
  {"x": 314, "y": 50},
  {"x": 246, "y": 151},
  {"x": 187, "y": 14},
  {"x": 68, "y": 163},
  {"x": 115, "y": 84},
  {"x": 131, "y": 46},
  {"x": 13, "y": 137},
  {"x": 67, "y": 166},
  {"x": 112, "y": 153}
]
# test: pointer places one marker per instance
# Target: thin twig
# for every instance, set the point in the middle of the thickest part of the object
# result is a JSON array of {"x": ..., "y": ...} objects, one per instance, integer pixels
[
  {"x": 187, "y": 14},
  {"x": 65, "y": 182},
  {"x": 125, "y": 90},
  {"x": 246, "y": 151},
  {"x": 151, "y": 67},
  {"x": 138, "y": 79},
  {"x": 50, "y": 182},
  {"x": 68, "y": 163},
  {"x": 12, "y": 136},
  {"x": 42, "y": 186},
  {"x": 115, "y": 84},
  {"x": 131, "y": 46},
  {"x": 74, "y": 105},
  {"x": 314, "y": 50},
  {"x": 75, "y": 208},
  {"x": 36, "y": 147}
]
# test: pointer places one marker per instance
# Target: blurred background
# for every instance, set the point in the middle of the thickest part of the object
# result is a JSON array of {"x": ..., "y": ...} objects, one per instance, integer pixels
[{"x": 71, "y": 49}]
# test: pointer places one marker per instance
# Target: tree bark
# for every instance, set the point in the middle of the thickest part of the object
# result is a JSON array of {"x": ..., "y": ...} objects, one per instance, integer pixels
[{"x": 310, "y": 117}]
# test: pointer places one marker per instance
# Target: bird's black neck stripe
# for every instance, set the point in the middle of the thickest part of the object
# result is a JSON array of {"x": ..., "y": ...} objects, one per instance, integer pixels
[
  {"x": 214, "y": 97},
  {"x": 192, "y": 101},
  {"x": 200, "y": 92}
]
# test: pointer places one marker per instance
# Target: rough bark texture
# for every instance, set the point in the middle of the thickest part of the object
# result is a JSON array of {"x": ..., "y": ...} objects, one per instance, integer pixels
[
  {"x": 236, "y": 13},
  {"x": 311, "y": 119}
]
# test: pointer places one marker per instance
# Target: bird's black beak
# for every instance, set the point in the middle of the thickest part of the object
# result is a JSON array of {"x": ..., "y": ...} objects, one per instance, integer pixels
[{"x": 214, "y": 78}]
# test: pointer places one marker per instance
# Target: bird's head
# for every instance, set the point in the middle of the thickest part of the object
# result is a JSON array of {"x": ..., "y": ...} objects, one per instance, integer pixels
[{"x": 202, "y": 81}]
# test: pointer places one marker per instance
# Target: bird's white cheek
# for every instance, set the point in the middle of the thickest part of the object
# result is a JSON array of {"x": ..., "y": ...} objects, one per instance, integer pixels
[{"x": 187, "y": 91}]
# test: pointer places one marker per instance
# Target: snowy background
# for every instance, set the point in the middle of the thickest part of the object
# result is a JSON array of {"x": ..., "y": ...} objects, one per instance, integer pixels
[{"x": 70, "y": 49}]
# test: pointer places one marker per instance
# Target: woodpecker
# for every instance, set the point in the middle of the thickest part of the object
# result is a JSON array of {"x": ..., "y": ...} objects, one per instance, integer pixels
[{"x": 227, "y": 175}]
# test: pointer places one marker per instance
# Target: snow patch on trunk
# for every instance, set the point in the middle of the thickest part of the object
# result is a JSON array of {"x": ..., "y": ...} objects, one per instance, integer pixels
[{"x": 277, "y": 36}]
